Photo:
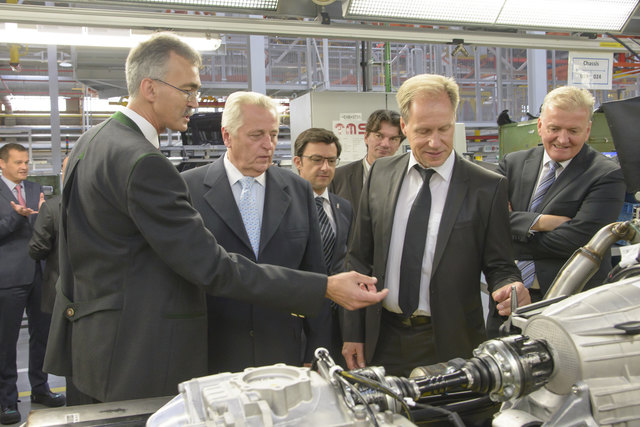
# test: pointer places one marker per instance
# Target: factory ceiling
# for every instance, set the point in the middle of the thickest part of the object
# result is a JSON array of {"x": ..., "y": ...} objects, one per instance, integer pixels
[{"x": 24, "y": 67}]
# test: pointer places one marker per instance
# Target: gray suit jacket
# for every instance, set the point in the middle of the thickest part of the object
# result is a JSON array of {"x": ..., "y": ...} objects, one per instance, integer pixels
[
  {"x": 473, "y": 237},
  {"x": 590, "y": 191},
  {"x": 17, "y": 267},
  {"x": 129, "y": 319},
  {"x": 253, "y": 335},
  {"x": 44, "y": 246},
  {"x": 347, "y": 183}
]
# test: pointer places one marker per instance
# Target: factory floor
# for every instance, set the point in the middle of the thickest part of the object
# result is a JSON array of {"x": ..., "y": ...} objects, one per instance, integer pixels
[{"x": 57, "y": 384}]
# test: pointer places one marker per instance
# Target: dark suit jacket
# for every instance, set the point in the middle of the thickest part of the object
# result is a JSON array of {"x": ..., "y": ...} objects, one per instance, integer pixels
[
  {"x": 347, "y": 183},
  {"x": 253, "y": 335},
  {"x": 590, "y": 191},
  {"x": 129, "y": 319},
  {"x": 44, "y": 246},
  {"x": 17, "y": 267},
  {"x": 473, "y": 237},
  {"x": 343, "y": 215}
]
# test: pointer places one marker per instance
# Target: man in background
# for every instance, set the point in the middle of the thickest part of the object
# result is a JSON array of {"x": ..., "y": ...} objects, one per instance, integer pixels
[
  {"x": 268, "y": 215},
  {"x": 428, "y": 225},
  {"x": 317, "y": 152},
  {"x": 20, "y": 284},
  {"x": 382, "y": 137},
  {"x": 560, "y": 193},
  {"x": 129, "y": 320}
]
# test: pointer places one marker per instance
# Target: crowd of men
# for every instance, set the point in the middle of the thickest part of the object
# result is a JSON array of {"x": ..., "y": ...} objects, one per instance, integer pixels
[{"x": 162, "y": 277}]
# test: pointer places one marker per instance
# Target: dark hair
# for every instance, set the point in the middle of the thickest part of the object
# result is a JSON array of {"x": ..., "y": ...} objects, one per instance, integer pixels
[
  {"x": 375, "y": 120},
  {"x": 315, "y": 135},
  {"x": 4, "y": 150}
]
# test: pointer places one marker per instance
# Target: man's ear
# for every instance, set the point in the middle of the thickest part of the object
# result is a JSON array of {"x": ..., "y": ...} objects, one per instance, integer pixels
[
  {"x": 147, "y": 89},
  {"x": 297, "y": 161}
]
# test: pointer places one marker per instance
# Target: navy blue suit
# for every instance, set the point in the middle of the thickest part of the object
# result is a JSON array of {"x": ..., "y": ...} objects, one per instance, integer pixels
[{"x": 20, "y": 289}]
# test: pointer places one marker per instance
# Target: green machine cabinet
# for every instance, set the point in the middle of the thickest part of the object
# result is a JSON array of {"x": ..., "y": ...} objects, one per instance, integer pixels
[{"x": 524, "y": 135}]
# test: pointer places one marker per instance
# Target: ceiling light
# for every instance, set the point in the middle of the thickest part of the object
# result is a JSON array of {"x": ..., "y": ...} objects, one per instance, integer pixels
[
  {"x": 91, "y": 37},
  {"x": 594, "y": 15},
  {"x": 244, "y": 4}
]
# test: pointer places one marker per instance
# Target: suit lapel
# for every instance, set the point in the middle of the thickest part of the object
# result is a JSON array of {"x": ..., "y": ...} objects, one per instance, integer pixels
[
  {"x": 456, "y": 194},
  {"x": 276, "y": 202},
  {"x": 220, "y": 198},
  {"x": 6, "y": 193},
  {"x": 355, "y": 181},
  {"x": 527, "y": 184},
  {"x": 337, "y": 216},
  {"x": 394, "y": 179}
]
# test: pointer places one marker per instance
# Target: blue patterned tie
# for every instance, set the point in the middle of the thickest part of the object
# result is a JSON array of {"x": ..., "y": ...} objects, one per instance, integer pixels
[
  {"x": 326, "y": 232},
  {"x": 249, "y": 211},
  {"x": 527, "y": 268}
]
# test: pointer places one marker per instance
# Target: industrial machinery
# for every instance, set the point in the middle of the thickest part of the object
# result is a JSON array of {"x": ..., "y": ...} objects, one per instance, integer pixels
[{"x": 569, "y": 360}]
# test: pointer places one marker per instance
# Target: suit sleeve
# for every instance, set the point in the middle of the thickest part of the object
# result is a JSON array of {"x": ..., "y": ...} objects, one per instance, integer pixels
[
  {"x": 44, "y": 235},
  {"x": 10, "y": 221},
  {"x": 497, "y": 259},
  {"x": 158, "y": 202},
  {"x": 601, "y": 206}
]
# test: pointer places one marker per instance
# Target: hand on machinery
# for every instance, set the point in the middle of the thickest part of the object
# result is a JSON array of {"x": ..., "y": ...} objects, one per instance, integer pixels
[{"x": 502, "y": 297}]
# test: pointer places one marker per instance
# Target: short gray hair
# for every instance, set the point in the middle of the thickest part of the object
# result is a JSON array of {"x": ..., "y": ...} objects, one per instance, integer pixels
[
  {"x": 431, "y": 85},
  {"x": 569, "y": 98},
  {"x": 150, "y": 58},
  {"x": 232, "y": 118}
]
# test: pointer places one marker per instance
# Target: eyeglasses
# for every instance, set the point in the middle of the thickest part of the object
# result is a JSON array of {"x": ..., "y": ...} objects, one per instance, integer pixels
[
  {"x": 191, "y": 95},
  {"x": 319, "y": 160},
  {"x": 379, "y": 137}
]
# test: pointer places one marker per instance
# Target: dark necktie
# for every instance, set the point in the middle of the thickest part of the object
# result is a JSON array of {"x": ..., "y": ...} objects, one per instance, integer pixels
[
  {"x": 528, "y": 268},
  {"x": 326, "y": 232},
  {"x": 413, "y": 250}
]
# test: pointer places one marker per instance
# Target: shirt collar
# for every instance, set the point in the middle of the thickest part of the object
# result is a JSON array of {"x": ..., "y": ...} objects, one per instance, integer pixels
[
  {"x": 324, "y": 195},
  {"x": 9, "y": 183},
  {"x": 234, "y": 175},
  {"x": 149, "y": 132},
  {"x": 546, "y": 159},
  {"x": 444, "y": 170}
]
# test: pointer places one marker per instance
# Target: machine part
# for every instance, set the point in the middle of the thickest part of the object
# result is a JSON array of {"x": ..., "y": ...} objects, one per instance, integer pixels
[
  {"x": 584, "y": 262},
  {"x": 277, "y": 395}
]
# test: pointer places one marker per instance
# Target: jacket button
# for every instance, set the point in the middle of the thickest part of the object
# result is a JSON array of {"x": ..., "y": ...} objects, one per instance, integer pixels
[
  {"x": 251, "y": 333},
  {"x": 70, "y": 312}
]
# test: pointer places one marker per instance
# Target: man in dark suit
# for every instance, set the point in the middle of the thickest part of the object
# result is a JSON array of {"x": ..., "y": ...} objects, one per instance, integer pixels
[
  {"x": 382, "y": 137},
  {"x": 20, "y": 284},
  {"x": 428, "y": 245},
  {"x": 287, "y": 234},
  {"x": 317, "y": 152},
  {"x": 554, "y": 212},
  {"x": 129, "y": 320}
]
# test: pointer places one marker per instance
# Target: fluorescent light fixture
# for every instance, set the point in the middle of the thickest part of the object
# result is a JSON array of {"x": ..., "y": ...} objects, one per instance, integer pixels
[
  {"x": 91, "y": 37},
  {"x": 589, "y": 15},
  {"x": 244, "y": 4}
]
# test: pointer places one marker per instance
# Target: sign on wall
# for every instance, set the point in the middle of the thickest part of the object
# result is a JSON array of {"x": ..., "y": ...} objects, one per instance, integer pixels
[
  {"x": 350, "y": 130},
  {"x": 590, "y": 70}
]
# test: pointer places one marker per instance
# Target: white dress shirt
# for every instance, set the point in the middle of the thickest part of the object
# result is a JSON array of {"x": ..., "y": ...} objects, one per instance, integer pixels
[
  {"x": 326, "y": 206},
  {"x": 439, "y": 186},
  {"x": 147, "y": 129},
  {"x": 234, "y": 176}
]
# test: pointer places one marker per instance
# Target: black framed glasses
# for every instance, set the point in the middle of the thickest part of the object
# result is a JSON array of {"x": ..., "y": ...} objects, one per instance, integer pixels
[
  {"x": 191, "y": 95},
  {"x": 319, "y": 160}
]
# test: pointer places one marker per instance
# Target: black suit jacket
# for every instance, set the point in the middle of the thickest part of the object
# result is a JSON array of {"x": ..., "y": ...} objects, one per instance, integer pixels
[
  {"x": 252, "y": 335},
  {"x": 347, "y": 183},
  {"x": 590, "y": 191},
  {"x": 17, "y": 267},
  {"x": 343, "y": 216},
  {"x": 129, "y": 319},
  {"x": 44, "y": 246},
  {"x": 473, "y": 237}
]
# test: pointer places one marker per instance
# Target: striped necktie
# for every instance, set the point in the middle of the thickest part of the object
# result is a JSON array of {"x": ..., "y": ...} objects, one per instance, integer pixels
[
  {"x": 326, "y": 232},
  {"x": 528, "y": 268}
]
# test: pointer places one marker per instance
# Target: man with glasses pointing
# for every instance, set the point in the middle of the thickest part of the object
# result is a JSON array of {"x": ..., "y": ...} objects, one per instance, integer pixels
[{"x": 129, "y": 319}]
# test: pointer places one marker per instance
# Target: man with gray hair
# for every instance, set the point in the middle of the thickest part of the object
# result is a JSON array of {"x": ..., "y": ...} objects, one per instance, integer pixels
[
  {"x": 268, "y": 215},
  {"x": 448, "y": 225},
  {"x": 560, "y": 193},
  {"x": 129, "y": 319}
]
